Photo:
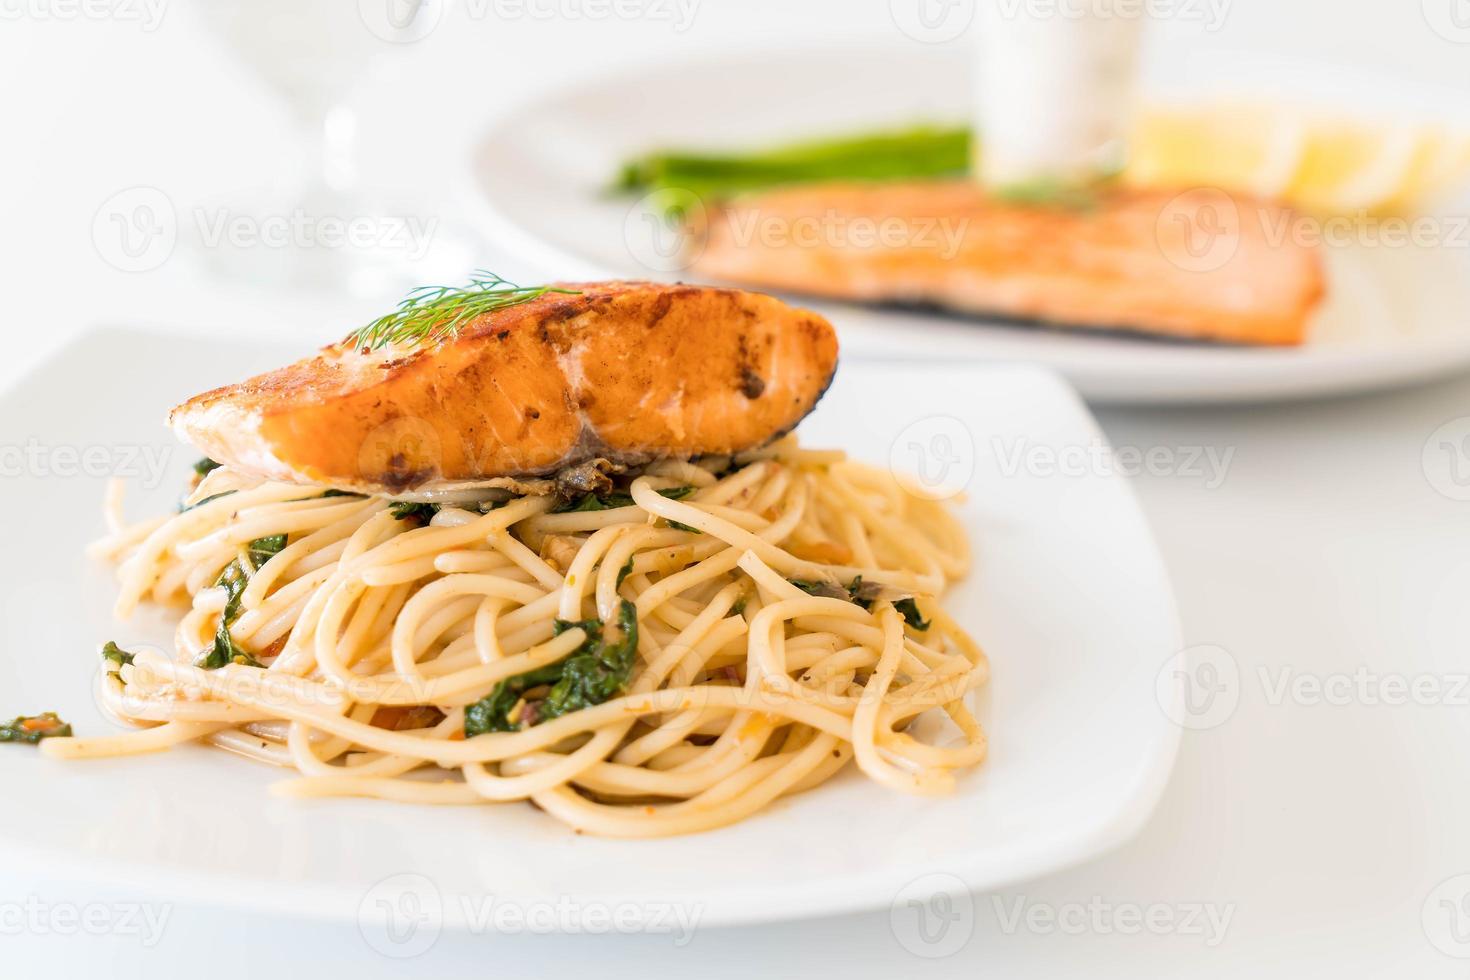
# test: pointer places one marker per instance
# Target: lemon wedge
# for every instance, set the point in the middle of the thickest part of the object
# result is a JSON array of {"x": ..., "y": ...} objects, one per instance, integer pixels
[
  {"x": 1326, "y": 164},
  {"x": 1354, "y": 166},
  {"x": 1235, "y": 147}
]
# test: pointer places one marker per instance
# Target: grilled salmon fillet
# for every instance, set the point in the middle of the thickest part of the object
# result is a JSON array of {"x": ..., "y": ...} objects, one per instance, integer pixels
[
  {"x": 1197, "y": 264},
  {"x": 623, "y": 371}
]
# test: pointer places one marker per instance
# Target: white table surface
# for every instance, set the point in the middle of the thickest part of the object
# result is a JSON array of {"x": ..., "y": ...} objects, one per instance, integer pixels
[{"x": 1319, "y": 829}]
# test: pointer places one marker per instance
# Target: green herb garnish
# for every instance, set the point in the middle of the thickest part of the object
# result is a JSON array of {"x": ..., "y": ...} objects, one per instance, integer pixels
[
  {"x": 183, "y": 508},
  {"x": 679, "y": 493},
  {"x": 822, "y": 589},
  {"x": 864, "y": 594},
  {"x": 202, "y": 468},
  {"x": 857, "y": 592},
  {"x": 597, "y": 670},
  {"x": 117, "y": 656},
  {"x": 592, "y": 501},
  {"x": 403, "y": 510},
  {"x": 591, "y": 674},
  {"x": 910, "y": 609},
  {"x": 234, "y": 579},
  {"x": 262, "y": 550},
  {"x": 432, "y": 313},
  {"x": 30, "y": 729},
  {"x": 614, "y": 500},
  {"x": 490, "y": 713}
]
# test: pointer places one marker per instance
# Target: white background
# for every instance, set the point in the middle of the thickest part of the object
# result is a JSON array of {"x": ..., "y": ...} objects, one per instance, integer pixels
[{"x": 1321, "y": 829}]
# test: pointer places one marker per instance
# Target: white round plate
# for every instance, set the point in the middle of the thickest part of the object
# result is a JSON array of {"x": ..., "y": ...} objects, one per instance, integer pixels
[
  {"x": 1395, "y": 314},
  {"x": 1068, "y": 595}
]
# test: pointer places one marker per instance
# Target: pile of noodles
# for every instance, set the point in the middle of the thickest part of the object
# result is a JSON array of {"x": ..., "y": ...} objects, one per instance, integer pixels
[{"x": 786, "y": 617}]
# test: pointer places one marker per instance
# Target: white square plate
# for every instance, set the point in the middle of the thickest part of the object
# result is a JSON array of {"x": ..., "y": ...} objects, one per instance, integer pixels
[{"x": 1068, "y": 596}]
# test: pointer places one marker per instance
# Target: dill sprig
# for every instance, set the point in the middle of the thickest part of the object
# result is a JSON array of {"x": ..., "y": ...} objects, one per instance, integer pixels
[{"x": 434, "y": 313}]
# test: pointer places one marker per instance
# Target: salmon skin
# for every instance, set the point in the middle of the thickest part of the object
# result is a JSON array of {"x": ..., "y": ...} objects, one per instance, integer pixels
[
  {"x": 1198, "y": 264},
  {"x": 621, "y": 371}
]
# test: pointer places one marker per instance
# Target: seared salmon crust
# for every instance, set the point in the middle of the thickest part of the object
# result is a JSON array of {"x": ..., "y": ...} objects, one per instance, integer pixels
[
  {"x": 625, "y": 371},
  {"x": 1197, "y": 264}
]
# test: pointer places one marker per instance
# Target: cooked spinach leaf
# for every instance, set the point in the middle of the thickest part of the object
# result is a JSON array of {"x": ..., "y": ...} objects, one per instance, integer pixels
[
  {"x": 117, "y": 656},
  {"x": 679, "y": 493},
  {"x": 262, "y": 550},
  {"x": 822, "y": 589},
  {"x": 592, "y": 501},
  {"x": 615, "y": 499},
  {"x": 910, "y": 609},
  {"x": 403, "y": 510},
  {"x": 234, "y": 578},
  {"x": 864, "y": 594},
  {"x": 598, "y": 670},
  {"x": 183, "y": 508},
  {"x": 591, "y": 674},
  {"x": 30, "y": 729},
  {"x": 206, "y": 466}
]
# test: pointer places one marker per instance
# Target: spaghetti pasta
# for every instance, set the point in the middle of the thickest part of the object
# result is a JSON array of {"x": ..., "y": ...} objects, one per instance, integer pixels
[{"x": 670, "y": 662}]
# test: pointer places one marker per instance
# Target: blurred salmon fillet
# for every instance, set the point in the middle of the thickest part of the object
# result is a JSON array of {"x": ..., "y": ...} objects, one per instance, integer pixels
[
  {"x": 620, "y": 371},
  {"x": 1197, "y": 264}
]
